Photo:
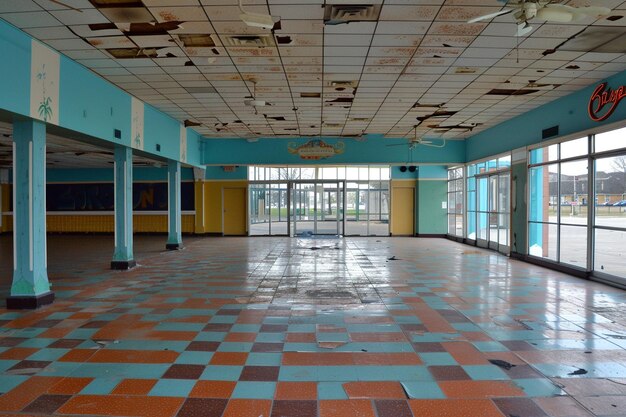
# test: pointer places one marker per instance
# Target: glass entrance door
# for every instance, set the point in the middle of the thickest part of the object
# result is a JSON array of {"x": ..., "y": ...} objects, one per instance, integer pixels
[
  {"x": 317, "y": 208},
  {"x": 493, "y": 195},
  {"x": 268, "y": 209}
]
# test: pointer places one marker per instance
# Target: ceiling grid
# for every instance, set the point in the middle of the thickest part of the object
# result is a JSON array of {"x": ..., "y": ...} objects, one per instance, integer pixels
[{"x": 332, "y": 67}]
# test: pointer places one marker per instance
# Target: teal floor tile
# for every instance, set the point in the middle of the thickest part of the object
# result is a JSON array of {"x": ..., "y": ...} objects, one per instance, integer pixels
[
  {"x": 270, "y": 337},
  {"x": 437, "y": 358},
  {"x": 222, "y": 373},
  {"x": 331, "y": 391},
  {"x": 37, "y": 342},
  {"x": 485, "y": 372},
  {"x": 47, "y": 354},
  {"x": 393, "y": 373},
  {"x": 234, "y": 347},
  {"x": 490, "y": 346},
  {"x": 194, "y": 358},
  {"x": 210, "y": 336},
  {"x": 172, "y": 388},
  {"x": 254, "y": 390},
  {"x": 101, "y": 386},
  {"x": 539, "y": 387},
  {"x": 422, "y": 389},
  {"x": 8, "y": 382},
  {"x": 264, "y": 359}
]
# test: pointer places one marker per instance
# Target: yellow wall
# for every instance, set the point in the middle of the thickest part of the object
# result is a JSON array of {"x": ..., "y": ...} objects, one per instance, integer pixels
[
  {"x": 210, "y": 203},
  {"x": 142, "y": 223}
]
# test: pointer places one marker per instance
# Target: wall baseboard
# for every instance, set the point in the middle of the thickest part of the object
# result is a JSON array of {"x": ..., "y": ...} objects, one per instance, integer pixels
[{"x": 431, "y": 235}]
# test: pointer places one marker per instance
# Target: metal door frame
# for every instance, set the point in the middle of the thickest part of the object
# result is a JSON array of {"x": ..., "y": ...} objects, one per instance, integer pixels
[{"x": 341, "y": 197}]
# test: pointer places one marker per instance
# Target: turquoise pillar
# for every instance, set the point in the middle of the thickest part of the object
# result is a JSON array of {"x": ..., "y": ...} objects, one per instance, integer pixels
[
  {"x": 30, "y": 288},
  {"x": 174, "y": 237},
  {"x": 123, "y": 177}
]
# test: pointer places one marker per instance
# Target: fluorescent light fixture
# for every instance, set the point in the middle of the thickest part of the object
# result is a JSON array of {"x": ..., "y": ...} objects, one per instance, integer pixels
[{"x": 255, "y": 103}]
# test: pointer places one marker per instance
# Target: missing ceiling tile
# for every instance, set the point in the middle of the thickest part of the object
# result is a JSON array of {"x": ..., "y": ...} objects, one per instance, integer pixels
[
  {"x": 464, "y": 70},
  {"x": 127, "y": 14},
  {"x": 277, "y": 118},
  {"x": 336, "y": 14},
  {"x": 102, "y": 26},
  {"x": 310, "y": 95},
  {"x": 144, "y": 29},
  {"x": 572, "y": 67},
  {"x": 341, "y": 100},
  {"x": 259, "y": 41},
  {"x": 283, "y": 40},
  {"x": 510, "y": 92},
  {"x": 130, "y": 53},
  {"x": 614, "y": 18},
  {"x": 197, "y": 41},
  {"x": 419, "y": 105}
]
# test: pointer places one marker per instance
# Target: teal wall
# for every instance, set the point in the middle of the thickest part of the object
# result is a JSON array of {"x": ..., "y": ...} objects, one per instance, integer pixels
[
  {"x": 14, "y": 78},
  {"x": 569, "y": 113},
  {"x": 431, "y": 218},
  {"x": 218, "y": 173},
  {"x": 373, "y": 149},
  {"x": 88, "y": 104},
  {"x": 91, "y": 105},
  {"x": 164, "y": 131},
  {"x": 106, "y": 174}
]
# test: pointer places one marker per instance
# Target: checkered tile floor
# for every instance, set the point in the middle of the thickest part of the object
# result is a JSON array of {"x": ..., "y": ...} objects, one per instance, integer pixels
[{"x": 273, "y": 327}]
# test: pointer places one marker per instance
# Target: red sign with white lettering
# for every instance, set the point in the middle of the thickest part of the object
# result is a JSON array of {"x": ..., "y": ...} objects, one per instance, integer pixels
[{"x": 602, "y": 98}]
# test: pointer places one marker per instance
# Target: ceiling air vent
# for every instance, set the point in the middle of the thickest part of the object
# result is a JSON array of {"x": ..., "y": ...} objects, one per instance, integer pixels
[
  {"x": 250, "y": 41},
  {"x": 336, "y": 14}
]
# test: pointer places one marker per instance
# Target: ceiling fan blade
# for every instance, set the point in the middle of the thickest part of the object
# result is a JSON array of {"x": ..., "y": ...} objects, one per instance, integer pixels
[
  {"x": 490, "y": 16},
  {"x": 579, "y": 13}
]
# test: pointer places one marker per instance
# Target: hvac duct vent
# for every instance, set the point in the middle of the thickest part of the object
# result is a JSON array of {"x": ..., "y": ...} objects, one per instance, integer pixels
[
  {"x": 335, "y": 14},
  {"x": 259, "y": 41}
]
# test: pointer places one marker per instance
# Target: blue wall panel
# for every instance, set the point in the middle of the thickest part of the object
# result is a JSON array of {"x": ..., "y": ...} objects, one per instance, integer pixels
[
  {"x": 14, "y": 70},
  {"x": 162, "y": 130},
  {"x": 372, "y": 150},
  {"x": 91, "y": 105},
  {"x": 569, "y": 113}
]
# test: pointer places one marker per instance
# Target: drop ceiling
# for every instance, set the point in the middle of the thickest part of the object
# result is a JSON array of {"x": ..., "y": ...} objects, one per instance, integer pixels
[
  {"x": 62, "y": 152},
  {"x": 407, "y": 63}
]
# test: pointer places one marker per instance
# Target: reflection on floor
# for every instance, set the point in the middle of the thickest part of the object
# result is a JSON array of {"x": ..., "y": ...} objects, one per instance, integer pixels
[{"x": 278, "y": 327}]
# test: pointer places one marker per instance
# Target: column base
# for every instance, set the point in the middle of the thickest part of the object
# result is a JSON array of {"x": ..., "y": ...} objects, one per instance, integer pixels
[
  {"x": 173, "y": 246},
  {"x": 123, "y": 265},
  {"x": 29, "y": 302}
]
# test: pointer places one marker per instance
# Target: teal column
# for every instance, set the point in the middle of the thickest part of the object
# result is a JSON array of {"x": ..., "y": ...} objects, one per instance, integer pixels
[
  {"x": 30, "y": 288},
  {"x": 174, "y": 237},
  {"x": 123, "y": 177}
]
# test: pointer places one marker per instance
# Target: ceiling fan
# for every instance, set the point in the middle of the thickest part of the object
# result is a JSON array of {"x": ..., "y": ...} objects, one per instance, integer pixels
[
  {"x": 416, "y": 140},
  {"x": 548, "y": 10}
]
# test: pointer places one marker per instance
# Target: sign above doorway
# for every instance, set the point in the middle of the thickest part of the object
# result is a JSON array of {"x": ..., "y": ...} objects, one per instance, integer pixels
[{"x": 316, "y": 149}]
